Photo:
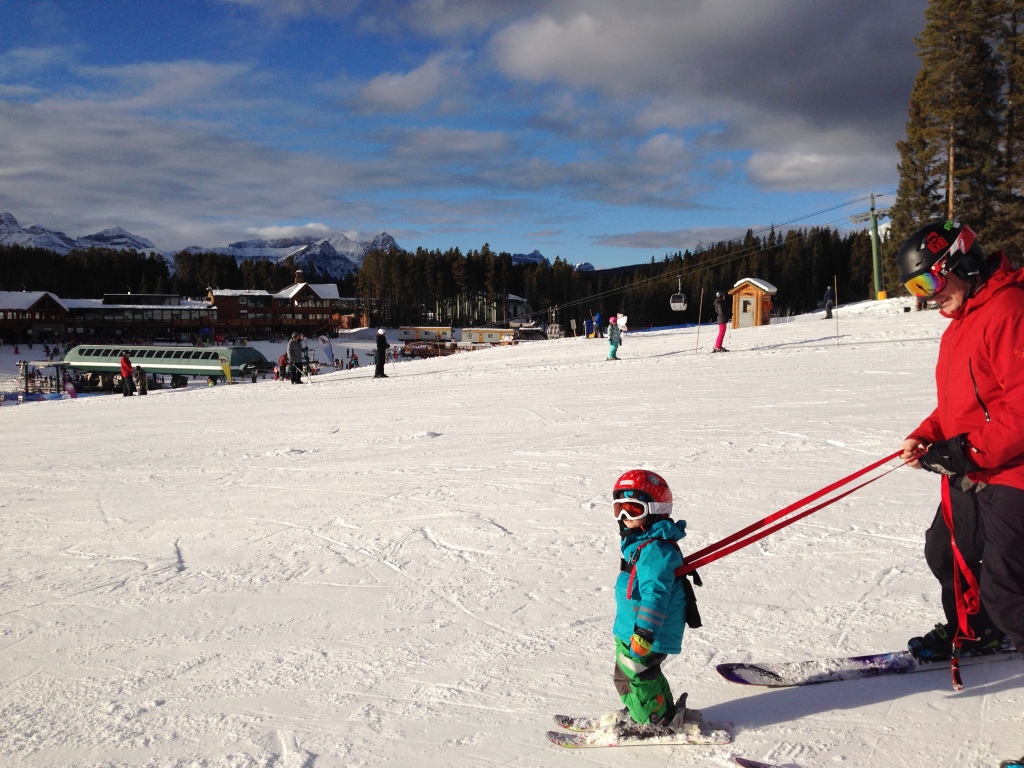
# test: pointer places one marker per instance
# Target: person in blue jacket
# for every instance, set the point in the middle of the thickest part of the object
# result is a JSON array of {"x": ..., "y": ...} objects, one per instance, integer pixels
[
  {"x": 650, "y": 601},
  {"x": 614, "y": 338}
]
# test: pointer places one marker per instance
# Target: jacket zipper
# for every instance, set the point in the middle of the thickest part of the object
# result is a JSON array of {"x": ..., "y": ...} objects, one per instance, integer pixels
[{"x": 977, "y": 395}]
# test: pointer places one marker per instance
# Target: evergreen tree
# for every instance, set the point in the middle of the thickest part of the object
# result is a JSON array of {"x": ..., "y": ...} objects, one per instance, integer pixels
[
  {"x": 950, "y": 158},
  {"x": 1008, "y": 230}
]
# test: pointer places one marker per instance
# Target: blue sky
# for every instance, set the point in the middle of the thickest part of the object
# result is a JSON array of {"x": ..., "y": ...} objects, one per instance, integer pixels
[{"x": 595, "y": 130}]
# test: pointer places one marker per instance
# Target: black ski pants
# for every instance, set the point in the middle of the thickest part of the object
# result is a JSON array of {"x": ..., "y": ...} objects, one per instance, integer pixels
[{"x": 988, "y": 524}]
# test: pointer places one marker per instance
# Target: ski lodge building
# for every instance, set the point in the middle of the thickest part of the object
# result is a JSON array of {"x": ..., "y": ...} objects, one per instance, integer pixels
[{"x": 309, "y": 308}]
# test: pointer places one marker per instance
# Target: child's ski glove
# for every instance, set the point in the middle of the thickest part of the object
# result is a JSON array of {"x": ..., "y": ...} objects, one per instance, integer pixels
[{"x": 641, "y": 641}]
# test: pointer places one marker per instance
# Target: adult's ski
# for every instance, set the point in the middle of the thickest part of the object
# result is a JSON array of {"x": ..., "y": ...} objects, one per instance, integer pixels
[{"x": 784, "y": 674}]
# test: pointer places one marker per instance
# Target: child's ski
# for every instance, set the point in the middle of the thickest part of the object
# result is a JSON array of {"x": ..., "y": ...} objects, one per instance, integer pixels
[
  {"x": 584, "y": 724},
  {"x": 634, "y": 738},
  {"x": 780, "y": 675},
  {"x": 753, "y": 763}
]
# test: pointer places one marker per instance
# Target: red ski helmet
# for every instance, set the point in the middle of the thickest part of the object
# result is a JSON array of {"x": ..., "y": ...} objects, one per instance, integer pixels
[
  {"x": 613, "y": 320},
  {"x": 644, "y": 485}
]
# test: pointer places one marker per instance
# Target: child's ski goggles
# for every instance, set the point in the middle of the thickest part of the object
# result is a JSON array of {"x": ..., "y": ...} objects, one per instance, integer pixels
[
  {"x": 927, "y": 284},
  {"x": 637, "y": 509}
]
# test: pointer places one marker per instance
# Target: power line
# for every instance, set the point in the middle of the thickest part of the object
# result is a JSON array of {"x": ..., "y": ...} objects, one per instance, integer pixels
[{"x": 665, "y": 277}]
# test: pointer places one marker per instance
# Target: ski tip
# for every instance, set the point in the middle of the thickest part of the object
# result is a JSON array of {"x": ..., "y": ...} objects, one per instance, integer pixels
[
  {"x": 753, "y": 763},
  {"x": 749, "y": 674},
  {"x": 563, "y": 739},
  {"x": 728, "y": 671}
]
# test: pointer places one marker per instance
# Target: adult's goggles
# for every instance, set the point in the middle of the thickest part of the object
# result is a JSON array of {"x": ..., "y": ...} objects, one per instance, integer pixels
[
  {"x": 637, "y": 509},
  {"x": 927, "y": 284}
]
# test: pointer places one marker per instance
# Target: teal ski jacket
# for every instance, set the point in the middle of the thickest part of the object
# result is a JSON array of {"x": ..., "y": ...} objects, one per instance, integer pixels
[{"x": 657, "y": 601}]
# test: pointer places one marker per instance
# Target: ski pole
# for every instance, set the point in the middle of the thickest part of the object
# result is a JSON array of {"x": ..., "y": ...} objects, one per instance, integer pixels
[
  {"x": 700, "y": 308},
  {"x": 835, "y": 284}
]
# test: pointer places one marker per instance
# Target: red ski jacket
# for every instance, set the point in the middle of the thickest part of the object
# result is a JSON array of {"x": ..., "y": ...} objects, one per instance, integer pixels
[
  {"x": 979, "y": 379},
  {"x": 126, "y": 367}
]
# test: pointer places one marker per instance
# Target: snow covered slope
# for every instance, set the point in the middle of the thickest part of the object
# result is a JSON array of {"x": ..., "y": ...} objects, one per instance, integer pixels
[{"x": 418, "y": 571}]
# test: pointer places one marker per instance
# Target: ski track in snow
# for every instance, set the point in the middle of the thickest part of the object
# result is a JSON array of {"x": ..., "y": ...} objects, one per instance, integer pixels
[{"x": 419, "y": 571}]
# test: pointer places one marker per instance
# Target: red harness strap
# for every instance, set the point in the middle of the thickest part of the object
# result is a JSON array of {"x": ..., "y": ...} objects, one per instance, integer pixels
[
  {"x": 751, "y": 533},
  {"x": 967, "y": 603},
  {"x": 635, "y": 559}
]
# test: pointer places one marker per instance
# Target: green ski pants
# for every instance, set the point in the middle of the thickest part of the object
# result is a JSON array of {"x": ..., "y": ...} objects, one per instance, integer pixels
[{"x": 641, "y": 684}]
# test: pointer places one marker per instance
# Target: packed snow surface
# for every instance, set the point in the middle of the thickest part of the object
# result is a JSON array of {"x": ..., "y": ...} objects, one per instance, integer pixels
[{"x": 418, "y": 571}]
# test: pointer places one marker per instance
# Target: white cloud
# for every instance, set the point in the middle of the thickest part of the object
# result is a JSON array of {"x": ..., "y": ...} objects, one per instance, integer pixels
[
  {"x": 28, "y": 62},
  {"x": 198, "y": 84},
  {"x": 445, "y": 144},
  {"x": 404, "y": 92},
  {"x": 311, "y": 229},
  {"x": 299, "y": 8},
  {"x": 94, "y": 168},
  {"x": 676, "y": 239}
]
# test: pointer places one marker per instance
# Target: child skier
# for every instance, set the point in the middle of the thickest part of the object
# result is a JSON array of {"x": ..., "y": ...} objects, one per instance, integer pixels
[
  {"x": 651, "y": 603},
  {"x": 614, "y": 337}
]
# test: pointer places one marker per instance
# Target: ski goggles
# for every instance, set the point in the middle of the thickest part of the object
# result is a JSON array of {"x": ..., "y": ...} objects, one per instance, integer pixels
[
  {"x": 927, "y": 284},
  {"x": 637, "y": 509}
]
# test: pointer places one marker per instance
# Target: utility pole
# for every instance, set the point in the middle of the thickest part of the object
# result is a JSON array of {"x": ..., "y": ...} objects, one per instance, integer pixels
[{"x": 876, "y": 259}]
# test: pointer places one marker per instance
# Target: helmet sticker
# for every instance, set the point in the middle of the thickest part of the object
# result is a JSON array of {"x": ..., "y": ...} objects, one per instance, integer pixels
[{"x": 936, "y": 243}]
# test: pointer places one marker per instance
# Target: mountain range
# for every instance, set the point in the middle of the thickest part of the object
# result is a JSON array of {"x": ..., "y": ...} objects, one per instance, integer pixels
[{"x": 335, "y": 256}]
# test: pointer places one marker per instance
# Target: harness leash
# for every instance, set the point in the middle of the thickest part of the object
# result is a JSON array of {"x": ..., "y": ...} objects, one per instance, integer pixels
[
  {"x": 753, "y": 532},
  {"x": 750, "y": 534},
  {"x": 967, "y": 603}
]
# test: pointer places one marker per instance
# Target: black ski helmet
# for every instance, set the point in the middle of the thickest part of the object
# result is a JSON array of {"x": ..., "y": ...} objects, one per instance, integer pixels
[
  {"x": 941, "y": 240},
  {"x": 719, "y": 295}
]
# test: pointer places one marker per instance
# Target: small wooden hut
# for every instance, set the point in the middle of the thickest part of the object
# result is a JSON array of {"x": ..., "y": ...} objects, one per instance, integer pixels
[{"x": 752, "y": 302}]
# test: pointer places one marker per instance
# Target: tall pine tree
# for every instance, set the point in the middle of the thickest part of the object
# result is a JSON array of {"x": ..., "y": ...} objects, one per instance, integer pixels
[
  {"x": 951, "y": 157},
  {"x": 1008, "y": 229}
]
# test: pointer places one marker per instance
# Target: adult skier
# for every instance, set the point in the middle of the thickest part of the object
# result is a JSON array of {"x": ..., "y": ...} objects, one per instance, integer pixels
[
  {"x": 295, "y": 358},
  {"x": 127, "y": 385},
  {"x": 721, "y": 319},
  {"x": 381, "y": 356},
  {"x": 974, "y": 438}
]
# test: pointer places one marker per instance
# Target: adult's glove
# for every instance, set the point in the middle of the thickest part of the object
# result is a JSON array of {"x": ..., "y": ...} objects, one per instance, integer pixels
[
  {"x": 949, "y": 457},
  {"x": 641, "y": 642}
]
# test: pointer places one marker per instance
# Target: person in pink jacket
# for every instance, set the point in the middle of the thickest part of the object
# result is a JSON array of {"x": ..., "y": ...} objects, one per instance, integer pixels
[{"x": 974, "y": 438}]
